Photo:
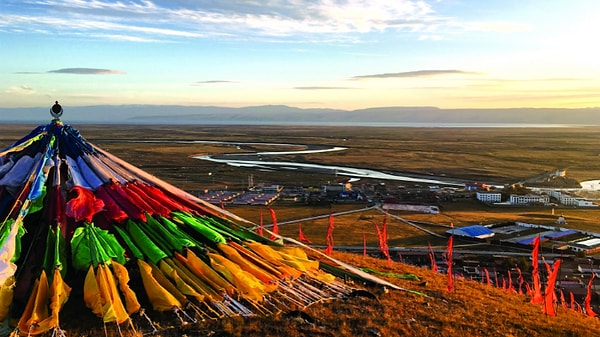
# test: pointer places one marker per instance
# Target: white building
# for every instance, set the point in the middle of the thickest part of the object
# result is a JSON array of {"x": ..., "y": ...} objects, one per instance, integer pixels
[
  {"x": 517, "y": 199},
  {"x": 569, "y": 200},
  {"x": 489, "y": 196}
]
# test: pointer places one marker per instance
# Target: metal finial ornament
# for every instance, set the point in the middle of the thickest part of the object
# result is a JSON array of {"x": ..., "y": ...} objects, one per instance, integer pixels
[{"x": 56, "y": 111}]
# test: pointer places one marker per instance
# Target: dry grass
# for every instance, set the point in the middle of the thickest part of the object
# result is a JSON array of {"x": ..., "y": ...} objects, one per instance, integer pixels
[{"x": 472, "y": 310}]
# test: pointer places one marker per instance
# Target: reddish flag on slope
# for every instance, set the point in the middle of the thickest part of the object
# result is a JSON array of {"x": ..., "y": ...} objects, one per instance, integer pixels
[
  {"x": 329, "y": 237},
  {"x": 487, "y": 277},
  {"x": 588, "y": 298},
  {"x": 449, "y": 262},
  {"x": 573, "y": 301},
  {"x": 275, "y": 226},
  {"x": 563, "y": 302},
  {"x": 550, "y": 296},
  {"x": 378, "y": 236},
  {"x": 384, "y": 240},
  {"x": 259, "y": 230},
  {"x": 521, "y": 280},
  {"x": 434, "y": 266},
  {"x": 301, "y": 234},
  {"x": 537, "y": 296},
  {"x": 510, "y": 288}
]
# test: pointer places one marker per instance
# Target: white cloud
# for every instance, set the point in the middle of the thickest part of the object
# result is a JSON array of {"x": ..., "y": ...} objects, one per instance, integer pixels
[
  {"x": 147, "y": 21},
  {"x": 20, "y": 90}
]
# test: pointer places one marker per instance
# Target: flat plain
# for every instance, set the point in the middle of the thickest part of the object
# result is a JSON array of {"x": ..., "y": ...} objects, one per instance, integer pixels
[{"x": 492, "y": 155}]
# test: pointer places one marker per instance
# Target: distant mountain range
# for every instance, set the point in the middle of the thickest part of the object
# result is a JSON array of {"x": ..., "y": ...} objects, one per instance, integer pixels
[{"x": 281, "y": 114}]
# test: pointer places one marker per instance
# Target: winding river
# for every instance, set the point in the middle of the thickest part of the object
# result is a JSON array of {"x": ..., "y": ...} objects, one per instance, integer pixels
[{"x": 260, "y": 160}]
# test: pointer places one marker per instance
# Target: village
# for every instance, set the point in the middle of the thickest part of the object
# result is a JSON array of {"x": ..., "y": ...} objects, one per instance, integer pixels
[{"x": 501, "y": 251}]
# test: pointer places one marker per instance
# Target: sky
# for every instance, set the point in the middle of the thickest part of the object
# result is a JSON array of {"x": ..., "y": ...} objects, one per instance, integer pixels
[{"x": 341, "y": 54}]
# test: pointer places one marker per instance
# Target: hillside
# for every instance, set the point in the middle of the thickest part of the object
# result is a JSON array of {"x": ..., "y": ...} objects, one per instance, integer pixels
[{"x": 473, "y": 309}]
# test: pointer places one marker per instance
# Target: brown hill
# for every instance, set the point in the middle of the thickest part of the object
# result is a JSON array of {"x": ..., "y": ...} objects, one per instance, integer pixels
[{"x": 473, "y": 309}]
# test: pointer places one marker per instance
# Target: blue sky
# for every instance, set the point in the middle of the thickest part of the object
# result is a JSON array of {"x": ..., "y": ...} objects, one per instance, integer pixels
[{"x": 349, "y": 54}]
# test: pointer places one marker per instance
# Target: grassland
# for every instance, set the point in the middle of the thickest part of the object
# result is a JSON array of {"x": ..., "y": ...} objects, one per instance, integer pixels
[{"x": 488, "y": 155}]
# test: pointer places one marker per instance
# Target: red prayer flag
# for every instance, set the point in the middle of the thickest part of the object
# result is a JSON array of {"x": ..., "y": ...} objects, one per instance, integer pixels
[
  {"x": 275, "y": 226},
  {"x": 573, "y": 307},
  {"x": 487, "y": 277},
  {"x": 301, "y": 234},
  {"x": 84, "y": 205},
  {"x": 521, "y": 280},
  {"x": 563, "y": 302},
  {"x": 384, "y": 240},
  {"x": 434, "y": 266},
  {"x": 449, "y": 263},
  {"x": 550, "y": 296},
  {"x": 511, "y": 288},
  {"x": 588, "y": 298},
  {"x": 329, "y": 237},
  {"x": 537, "y": 297}
]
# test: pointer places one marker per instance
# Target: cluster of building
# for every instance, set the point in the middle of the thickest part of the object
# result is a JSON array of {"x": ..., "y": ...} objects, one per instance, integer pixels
[
  {"x": 559, "y": 239},
  {"x": 262, "y": 196},
  {"x": 545, "y": 197}
]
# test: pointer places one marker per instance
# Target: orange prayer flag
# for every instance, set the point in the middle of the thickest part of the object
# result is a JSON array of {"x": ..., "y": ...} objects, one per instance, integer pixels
[
  {"x": 588, "y": 298},
  {"x": 275, "y": 226},
  {"x": 36, "y": 309},
  {"x": 550, "y": 296},
  {"x": 449, "y": 263},
  {"x": 329, "y": 237},
  {"x": 434, "y": 265},
  {"x": 537, "y": 296},
  {"x": 60, "y": 292},
  {"x": 301, "y": 234}
]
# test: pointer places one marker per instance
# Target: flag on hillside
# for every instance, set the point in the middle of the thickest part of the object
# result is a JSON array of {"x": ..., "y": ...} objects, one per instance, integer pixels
[
  {"x": 563, "y": 302},
  {"x": 550, "y": 299},
  {"x": 572, "y": 297},
  {"x": 588, "y": 298},
  {"x": 449, "y": 261},
  {"x": 364, "y": 244},
  {"x": 301, "y": 234},
  {"x": 536, "y": 297},
  {"x": 384, "y": 240},
  {"x": 487, "y": 277},
  {"x": 521, "y": 280},
  {"x": 510, "y": 288},
  {"x": 259, "y": 230},
  {"x": 434, "y": 265},
  {"x": 496, "y": 278},
  {"x": 329, "y": 237},
  {"x": 275, "y": 229}
]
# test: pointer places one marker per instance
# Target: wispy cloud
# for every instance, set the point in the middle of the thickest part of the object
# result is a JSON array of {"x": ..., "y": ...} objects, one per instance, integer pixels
[
  {"x": 323, "y": 88},
  {"x": 86, "y": 71},
  {"x": 417, "y": 73},
  {"x": 148, "y": 21},
  {"x": 214, "y": 82},
  {"x": 20, "y": 90}
]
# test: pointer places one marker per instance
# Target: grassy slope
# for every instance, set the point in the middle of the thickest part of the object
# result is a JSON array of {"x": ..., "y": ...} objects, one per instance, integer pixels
[{"x": 472, "y": 309}]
